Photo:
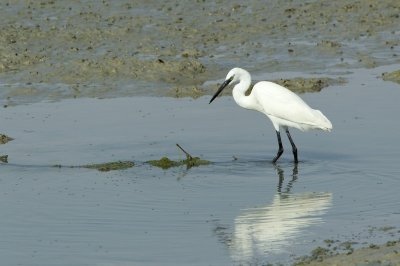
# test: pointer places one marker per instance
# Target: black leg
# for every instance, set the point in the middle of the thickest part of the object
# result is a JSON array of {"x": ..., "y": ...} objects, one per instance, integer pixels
[
  {"x": 280, "y": 151},
  {"x": 294, "y": 149}
]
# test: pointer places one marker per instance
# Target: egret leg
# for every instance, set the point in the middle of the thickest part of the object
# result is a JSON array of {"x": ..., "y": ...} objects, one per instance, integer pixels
[
  {"x": 280, "y": 150},
  {"x": 294, "y": 148}
]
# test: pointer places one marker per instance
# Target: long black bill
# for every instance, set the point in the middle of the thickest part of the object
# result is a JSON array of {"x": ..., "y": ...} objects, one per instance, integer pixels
[{"x": 221, "y": 88}]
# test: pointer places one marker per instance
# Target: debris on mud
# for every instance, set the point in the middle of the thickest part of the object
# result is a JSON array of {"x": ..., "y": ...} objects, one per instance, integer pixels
[{"x": 190, "y": 161}]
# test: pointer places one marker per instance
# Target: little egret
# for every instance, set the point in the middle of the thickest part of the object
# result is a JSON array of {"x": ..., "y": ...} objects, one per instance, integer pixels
[{"x": 284, "y": 108}]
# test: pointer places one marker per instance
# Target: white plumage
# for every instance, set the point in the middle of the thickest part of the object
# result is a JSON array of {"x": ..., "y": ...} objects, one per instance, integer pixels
[{"x": 283, "y": 107}]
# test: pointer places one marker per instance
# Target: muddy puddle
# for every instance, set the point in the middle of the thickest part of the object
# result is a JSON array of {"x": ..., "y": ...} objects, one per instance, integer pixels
[{"x": 239, "y": 209}]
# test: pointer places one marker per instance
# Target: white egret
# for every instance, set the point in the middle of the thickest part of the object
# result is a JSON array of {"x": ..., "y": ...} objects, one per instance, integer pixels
[{"x": 283, "y": 107}]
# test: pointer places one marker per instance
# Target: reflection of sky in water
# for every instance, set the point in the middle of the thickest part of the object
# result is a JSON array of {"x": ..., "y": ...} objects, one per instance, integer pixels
[{"x": 271, "y": 228}]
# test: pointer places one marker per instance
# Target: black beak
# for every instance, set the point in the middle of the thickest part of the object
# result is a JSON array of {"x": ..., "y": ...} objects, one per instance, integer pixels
[{"x": 221, "y": 88}]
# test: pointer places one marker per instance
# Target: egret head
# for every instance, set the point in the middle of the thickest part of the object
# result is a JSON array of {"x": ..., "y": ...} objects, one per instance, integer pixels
[{"x": 229, "y": 78}]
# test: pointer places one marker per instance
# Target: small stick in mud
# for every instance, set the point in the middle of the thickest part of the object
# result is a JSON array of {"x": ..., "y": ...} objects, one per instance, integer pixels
[{"x": 188, "y": 156}]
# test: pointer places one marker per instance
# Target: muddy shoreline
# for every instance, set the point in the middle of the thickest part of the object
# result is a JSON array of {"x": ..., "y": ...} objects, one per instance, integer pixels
[
  {"x": 51, "y": 50},
  {"x": 386, "y": 254}
]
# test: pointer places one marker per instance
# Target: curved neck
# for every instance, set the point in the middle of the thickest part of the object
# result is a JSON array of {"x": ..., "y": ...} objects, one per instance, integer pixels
[{"x": 239, "y": 96}]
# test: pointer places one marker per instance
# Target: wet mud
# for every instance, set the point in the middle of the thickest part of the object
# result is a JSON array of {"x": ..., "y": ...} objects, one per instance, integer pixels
[
  {"x": 4, "y": 139},
  {"x": 52, "y": 50},
  {"x": 189, "y": 162},
  {"x": 111, "y": 166},
  {"x": 297, "y": 85},
  {"x": 4, "y": 158},
  {"x": 103, "y": 167},
  {"x": 303, "y": 85},
  {"x": 352, "y": 252},
  {"x": 392, "y": 76},
  {"x": 386, "y": 254},
  {"x": 166, "y": 163}
]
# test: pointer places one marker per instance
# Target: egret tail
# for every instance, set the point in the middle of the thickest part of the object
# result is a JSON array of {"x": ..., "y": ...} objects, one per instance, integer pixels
[{"x": 322, "y": 121}]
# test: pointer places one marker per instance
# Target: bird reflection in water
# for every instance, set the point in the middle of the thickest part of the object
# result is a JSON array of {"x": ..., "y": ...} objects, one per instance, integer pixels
[{"x": 274, "y": 227}]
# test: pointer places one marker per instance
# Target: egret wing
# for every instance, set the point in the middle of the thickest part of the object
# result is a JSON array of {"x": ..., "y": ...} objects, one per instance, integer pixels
[{"x": 282, "y": 103}]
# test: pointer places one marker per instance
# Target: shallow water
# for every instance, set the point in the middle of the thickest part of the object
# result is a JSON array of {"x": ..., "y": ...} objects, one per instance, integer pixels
[{"x": 239, "y": 209}]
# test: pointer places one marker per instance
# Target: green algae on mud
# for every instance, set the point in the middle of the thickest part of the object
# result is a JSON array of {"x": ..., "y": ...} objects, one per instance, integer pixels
[
  {"x": 4, "y": 139},
  {"x": 392, "y": 76},
  {"x": 103, "y": 167},
  {"x": 4, "y": 158},
  {"x": 110, "y": 166},
  {"x": 166, "y": 163},
  {"x": 194, "y": 162},
  {"x": 190, "y": 161}
]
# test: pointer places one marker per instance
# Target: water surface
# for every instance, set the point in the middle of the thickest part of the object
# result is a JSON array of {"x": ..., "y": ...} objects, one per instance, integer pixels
[{"x": 240, "y": 209}]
